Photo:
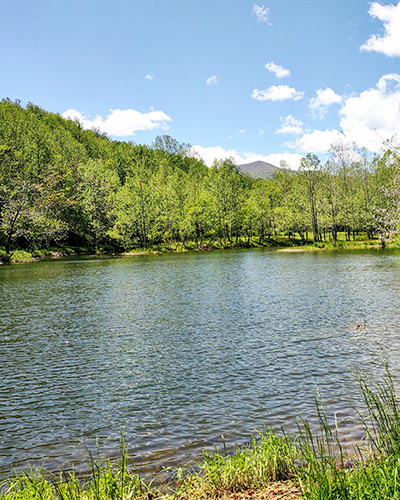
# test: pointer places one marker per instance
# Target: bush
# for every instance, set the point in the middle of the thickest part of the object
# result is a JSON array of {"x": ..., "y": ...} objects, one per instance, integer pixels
[{"x": 5, "y": 258}]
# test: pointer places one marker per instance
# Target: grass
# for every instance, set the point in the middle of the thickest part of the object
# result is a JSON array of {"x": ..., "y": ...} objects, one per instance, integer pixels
[
  {"x": 106, "y": 482},
  {"x": 327, "y": 473},
  {"x": 271, "y": 458},
  {"x": 311, "y": 465}
]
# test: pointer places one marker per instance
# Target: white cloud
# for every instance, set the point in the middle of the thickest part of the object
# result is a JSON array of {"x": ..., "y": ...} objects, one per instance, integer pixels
[
  {"x": 242, "y": 131},
  {"x": 279, "y": 71},
  {"x": 150, "y": 76},
  {"x": 366, "y": 119},
  {"x": 317, "y": 141},
  {"x": 277, "y": 93},
  {"x": 324, "y": 98},
  {"x": 290, "y": 125},
  {"x": 209, "y": 154},
  {"x": 122, "y": 122},
  {"x": 292, "y": 159},
  {"x": 374, "y": 114},
  {"x": 261, "y": 13},
  {"x": 213, "y": 80},
  {"x": 389, "y": 43}
]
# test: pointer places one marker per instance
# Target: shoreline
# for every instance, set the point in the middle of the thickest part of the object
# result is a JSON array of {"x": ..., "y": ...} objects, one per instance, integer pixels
[{"x": 22, "y": 256}]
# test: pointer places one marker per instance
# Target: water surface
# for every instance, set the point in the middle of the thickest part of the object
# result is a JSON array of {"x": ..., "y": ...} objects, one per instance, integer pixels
[{"x": 178, "y": 350}]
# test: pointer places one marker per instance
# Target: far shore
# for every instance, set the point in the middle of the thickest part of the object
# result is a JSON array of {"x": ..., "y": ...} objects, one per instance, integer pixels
[{"x": 278, "y": 245}]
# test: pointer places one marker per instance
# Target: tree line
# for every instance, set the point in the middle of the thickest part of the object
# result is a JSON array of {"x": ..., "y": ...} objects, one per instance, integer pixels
[{"x": 62, "y": 185}]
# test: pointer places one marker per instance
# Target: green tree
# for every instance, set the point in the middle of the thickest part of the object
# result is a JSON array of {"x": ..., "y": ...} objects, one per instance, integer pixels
[
  {"x": 310, "y": 173},
  {"x": 226, "y": 186},
  {"x": 97, "y": 191}
]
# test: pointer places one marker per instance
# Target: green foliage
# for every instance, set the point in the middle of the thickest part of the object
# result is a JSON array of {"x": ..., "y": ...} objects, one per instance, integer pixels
[
  {"x": 65, "y": 186},
  {"x": 5, "y": 258}
]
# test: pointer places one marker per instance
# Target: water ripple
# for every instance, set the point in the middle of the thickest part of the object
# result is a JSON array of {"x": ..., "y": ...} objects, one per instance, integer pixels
[{"x": 178, "y": 350}]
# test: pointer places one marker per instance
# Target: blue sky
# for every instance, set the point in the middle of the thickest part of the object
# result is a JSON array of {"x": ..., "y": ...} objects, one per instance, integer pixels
[{"x": 267, "y": 81}]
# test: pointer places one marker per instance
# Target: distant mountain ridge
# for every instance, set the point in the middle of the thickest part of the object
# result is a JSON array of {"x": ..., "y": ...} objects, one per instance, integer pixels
[{"x": 258, "y": 169}]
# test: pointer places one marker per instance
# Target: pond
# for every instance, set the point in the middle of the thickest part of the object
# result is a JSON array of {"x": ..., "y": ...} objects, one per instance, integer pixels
[{"x": 177, "y": 350}]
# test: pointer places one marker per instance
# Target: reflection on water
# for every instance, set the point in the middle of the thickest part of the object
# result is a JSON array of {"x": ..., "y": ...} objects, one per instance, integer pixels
[{"x": 177, "y": 350}]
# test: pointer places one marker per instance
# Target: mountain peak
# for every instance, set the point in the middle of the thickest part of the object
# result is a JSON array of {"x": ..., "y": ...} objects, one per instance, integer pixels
[{"x": 258, "y": 169}]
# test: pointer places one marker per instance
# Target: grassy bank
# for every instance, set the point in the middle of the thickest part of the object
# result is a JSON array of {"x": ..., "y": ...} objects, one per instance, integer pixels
[
  {"x": 311, "y": 465},
  {"x": 280, "y": 243}
]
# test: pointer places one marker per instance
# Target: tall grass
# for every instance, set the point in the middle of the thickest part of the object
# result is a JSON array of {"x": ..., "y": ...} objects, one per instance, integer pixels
[
  {"x": 269, "y": 459},
  {"x": 106, "y": 482},
  {"x": 324, "y": 465},
  {"x": 327, "y": 473},
  {"x": 382, "y": 424}
]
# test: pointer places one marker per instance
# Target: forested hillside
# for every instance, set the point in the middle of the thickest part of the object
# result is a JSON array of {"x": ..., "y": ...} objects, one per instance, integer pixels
[{"x": 61, "y": 185}]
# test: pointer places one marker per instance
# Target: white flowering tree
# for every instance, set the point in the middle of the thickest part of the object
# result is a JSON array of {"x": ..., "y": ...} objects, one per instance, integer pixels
[{"x": 387, "y": 214}]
